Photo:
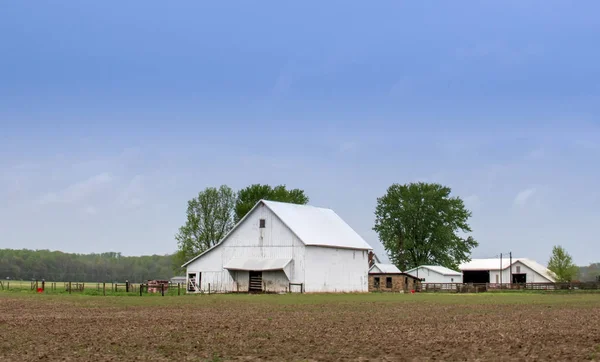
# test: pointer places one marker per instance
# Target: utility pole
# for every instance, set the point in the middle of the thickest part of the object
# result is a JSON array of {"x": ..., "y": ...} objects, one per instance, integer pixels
[
  {"x": 511, "y": 278},
  {"x": 500, "y": 270}
]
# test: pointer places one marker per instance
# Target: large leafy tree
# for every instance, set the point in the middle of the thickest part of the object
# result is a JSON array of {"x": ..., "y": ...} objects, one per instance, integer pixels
[
  {"x": 561, "y": 264},
  {"x": 209, "y": 219},
  {"x": 249, "y": 196},
  {"x": 420, "y": 223}
]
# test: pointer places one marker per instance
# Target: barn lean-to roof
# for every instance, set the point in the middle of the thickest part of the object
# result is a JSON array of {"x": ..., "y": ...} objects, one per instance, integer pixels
[
  {"x": 314, "y": 226},
  {"x": 381, "y": 268}
]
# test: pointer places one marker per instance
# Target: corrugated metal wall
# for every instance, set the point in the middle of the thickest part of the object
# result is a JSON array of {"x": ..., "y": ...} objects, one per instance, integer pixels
[{"x": 336, "y": 270}]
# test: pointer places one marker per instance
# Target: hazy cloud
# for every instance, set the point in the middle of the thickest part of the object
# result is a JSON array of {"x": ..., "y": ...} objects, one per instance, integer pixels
[
  {"x": 131, "y": 197},
  {"x": 535, "y": 154},
  {"x": 348, "y": 146},
  {"x": 523, "y": 197},
  {"x": 90, "y": 210},
  {"x": 472, "y": 202},
  {"x": 79, "y": 191}
]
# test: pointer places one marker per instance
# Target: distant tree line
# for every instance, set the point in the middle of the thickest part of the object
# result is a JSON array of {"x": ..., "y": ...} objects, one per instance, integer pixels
[
  {"x": 104, "y": 267},
  {"x": 589, "y": 273}
]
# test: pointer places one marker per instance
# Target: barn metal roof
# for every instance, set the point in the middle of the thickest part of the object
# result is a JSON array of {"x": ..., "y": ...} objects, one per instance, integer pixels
[
  {"x": 384, "y": 268},
  {"x": 256, "y": 264},
  {"x": 494, "y": 264},
  {"x": 317, "y": 226},
  {"x": 437, "y": 269}
]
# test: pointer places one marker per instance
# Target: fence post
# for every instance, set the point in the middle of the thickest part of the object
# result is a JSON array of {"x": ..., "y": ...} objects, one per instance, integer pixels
[
  {"x": 141, "y": 288},
  {"x": 162, "y": 289},
  {"x": 178, "y": 288},
  {"x": 104, "y": 288},
  {"x": 43, "y": 285},
  {"x": 69, "y": 287},
  {"x": 7, "y": 285},
  {"x": 208, "y": 288},
  {"x": 127, "y": 286}
]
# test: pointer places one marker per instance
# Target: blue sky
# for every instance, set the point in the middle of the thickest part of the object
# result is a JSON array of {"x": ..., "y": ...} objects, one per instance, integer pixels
[{"x": 114, "y": 114}]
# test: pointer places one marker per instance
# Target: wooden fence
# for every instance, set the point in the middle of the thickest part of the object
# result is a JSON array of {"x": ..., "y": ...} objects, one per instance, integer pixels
[
  {"x": 478, "y": 288},
  {"x": 81, "y": 287}
]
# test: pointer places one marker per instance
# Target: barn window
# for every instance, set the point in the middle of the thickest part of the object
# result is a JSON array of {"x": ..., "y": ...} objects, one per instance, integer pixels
[
  {"x": 388, "y": 282},
  {"x": 262, "y": 223},
  {"x": 518, "y": 269},
  {"x": 376, "y": 282},
  {"x": 452, "y": 280},
  {"x": 496, "y": 278}
]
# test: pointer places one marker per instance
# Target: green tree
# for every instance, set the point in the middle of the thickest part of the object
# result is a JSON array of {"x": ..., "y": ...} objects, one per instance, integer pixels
[
  {"x": 561, "y": 264},
  {"x": 252, "y": 194},
  {"x": 209, "y": 219},
  {"x": 418, "y": 223}
]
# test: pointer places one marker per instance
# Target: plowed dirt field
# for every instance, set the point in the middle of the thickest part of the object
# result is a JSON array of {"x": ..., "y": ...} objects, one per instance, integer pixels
[{"x": 373, "y": 327}]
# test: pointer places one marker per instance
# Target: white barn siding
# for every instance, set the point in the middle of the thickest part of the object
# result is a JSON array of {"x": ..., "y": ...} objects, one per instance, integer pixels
[
  {"x": 336, "y": 270},
  {"x": 245, "y": 241},
  {"x": 432, "y": 276},
  {"x": 532, "y": 275}
]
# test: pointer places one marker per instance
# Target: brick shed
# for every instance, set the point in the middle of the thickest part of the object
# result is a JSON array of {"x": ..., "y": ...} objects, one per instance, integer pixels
[{"x": 388, "y": 278}]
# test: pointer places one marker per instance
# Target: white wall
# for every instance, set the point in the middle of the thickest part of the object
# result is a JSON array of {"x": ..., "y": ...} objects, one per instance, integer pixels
[
  {"x": 336, "y": 270},
  {"x": 435, "y": 277},
  {"x": 532, "y": 276},
  {"x": 249, "y": 241}
]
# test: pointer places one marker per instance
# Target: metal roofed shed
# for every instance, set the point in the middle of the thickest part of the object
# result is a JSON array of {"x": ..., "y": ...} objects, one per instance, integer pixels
[
  {"x": 436, "y": 274},
  {"x": 523, "y": 270},
  {"x": 388, "y": 278}
]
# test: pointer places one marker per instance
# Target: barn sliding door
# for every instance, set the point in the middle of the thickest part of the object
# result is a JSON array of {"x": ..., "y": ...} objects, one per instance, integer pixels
[{"x": 255, "y": 281}]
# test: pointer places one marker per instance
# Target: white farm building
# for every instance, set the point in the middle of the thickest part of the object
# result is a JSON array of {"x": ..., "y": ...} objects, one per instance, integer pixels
[
  {"x": 279, "y": 247},
  {"x": 436, "y": 274},
  {"x": 498, "y": 271}
]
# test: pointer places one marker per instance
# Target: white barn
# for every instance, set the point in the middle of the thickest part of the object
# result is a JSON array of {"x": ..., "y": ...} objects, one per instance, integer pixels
[
  {"x": 493, "y": 271},
  {"x": 279, "y": 247},
  {"x": 436, "y": 274}
]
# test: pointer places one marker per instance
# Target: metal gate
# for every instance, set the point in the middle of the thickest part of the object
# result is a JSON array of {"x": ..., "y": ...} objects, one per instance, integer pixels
[{"x": 255, "y": 281}]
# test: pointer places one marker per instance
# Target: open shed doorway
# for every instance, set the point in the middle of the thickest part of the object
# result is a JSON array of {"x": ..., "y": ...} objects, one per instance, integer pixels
[
  {"x": 193, "y": 283},
  {"x": 476, "y": 276},
  {"x": 519, "y": 278},
  {"x": 255, "y": 282}
]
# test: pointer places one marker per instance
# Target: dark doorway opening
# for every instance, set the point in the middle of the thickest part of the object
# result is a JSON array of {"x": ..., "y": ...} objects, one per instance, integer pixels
[
  {"x": 519, "y": 278},
  {"x": 255, "y": 281},
  {"x": 476, "y": 276},
  {"x": 193, "y": 283}
]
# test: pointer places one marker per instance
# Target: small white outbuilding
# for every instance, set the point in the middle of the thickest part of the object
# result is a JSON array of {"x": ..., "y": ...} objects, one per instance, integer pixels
[
  {"x": 279, "y": 247},
  {"x": 501, "y": 271},
  {"x": 436, "y": 274}
]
